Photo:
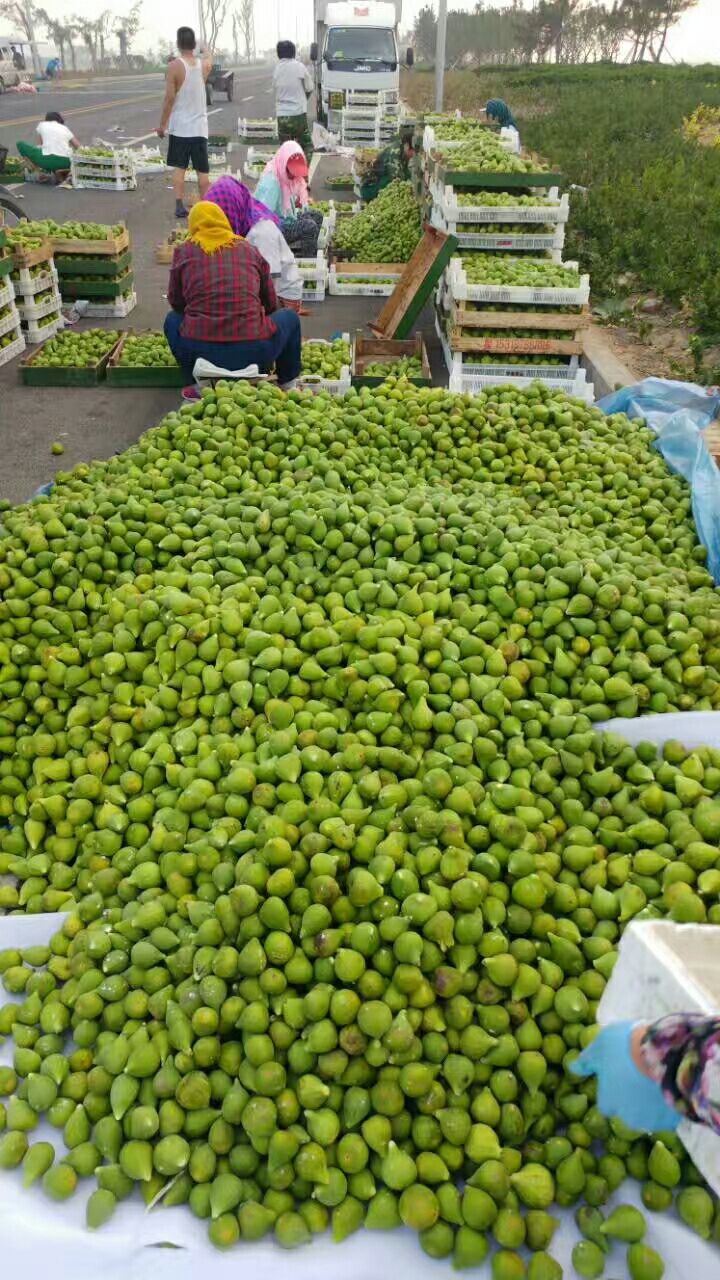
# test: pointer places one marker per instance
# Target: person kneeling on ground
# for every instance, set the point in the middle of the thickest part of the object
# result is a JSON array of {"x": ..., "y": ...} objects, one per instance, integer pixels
[
  {"x": 283, "y": 189},
  {"x": 57, "y": 145},
  {"x": 224, "y": 307},
  {"x": 261, "y": 228}
]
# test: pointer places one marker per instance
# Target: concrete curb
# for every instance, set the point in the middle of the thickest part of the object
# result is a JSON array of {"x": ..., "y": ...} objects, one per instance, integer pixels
[{"x": 605, "y": 370}]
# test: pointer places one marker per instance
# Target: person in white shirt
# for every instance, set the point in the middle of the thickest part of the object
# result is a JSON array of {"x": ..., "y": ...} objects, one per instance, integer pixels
[
  {"x": 293, "y": 87},
  {"x": 184, "y": 116},
  {"x": 57, "y": 145}
]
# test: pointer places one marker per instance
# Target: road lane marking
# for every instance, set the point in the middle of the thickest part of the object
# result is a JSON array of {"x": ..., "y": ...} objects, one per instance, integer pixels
[{"x": 81, "y": 111}]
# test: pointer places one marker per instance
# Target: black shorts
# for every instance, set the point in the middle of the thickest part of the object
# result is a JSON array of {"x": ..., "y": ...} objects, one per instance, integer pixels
[{"x": 183, "y": 151}]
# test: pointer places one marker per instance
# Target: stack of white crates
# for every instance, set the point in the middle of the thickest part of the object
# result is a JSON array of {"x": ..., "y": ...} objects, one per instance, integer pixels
[
  {"x": 12, "y": 341},
  {"x": 257, "y": 131},
  {"x": 314, "y": 272},
  {"x": 104, "y": 172},
  {"x": 38, "y": 301},
  {"x": 494, "y": 333}
]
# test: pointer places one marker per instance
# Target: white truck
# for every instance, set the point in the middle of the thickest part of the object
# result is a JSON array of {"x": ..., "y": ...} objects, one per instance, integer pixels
[{"x": 356, "y": 52}]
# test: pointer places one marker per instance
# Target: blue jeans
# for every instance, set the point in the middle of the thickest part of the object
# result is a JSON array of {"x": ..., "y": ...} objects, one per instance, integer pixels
[{"x": 281, "y": 350}]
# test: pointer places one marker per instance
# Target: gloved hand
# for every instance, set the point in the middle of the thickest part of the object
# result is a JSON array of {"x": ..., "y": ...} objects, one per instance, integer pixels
[{"x": 622, "y": 1089}]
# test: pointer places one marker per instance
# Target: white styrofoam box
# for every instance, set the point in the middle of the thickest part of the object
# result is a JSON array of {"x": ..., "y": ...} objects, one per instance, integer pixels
[
  {"x": 343, "y": 285},
  {"x": 36, "y": 333},
  {"x": 555, "y": 208},
  {"x": 30, "y": 310},
  {"x": 462, "y": 291},
  {"x": 116, "y": 310},
  {"x": 26, "y": 285},
  {"x": 7, "y": 292},
  {"x": 9, "y": 321},
  {"x": 257, "y": 130},
  {"x": 336, "y": 386},
  {"x": 13, "y": 349}
]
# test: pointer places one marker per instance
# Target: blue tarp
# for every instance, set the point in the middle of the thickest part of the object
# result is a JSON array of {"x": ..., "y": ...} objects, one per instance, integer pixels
[{"x": 678, "y": 412}]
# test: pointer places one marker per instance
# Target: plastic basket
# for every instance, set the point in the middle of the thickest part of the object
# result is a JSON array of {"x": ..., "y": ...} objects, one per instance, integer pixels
[
  {"x": 507, "y": 241},
  {"x": 345, "y": 286},
  {"x": 81, "y": 182},
  {"x": 35, "y": 333},
  {"x": 36, "y": 311},
  {"x": 257, "y": 130},
  {"x": 27, "y": 285},
  {"x": 111, "y": 310},
  {"x": 314, "y": 290},
  {"x": 13, "y": 349},
  {"x": 313, "y": 268},
  {"x": 553, "y": 209},
  {"x": 335, "y": 386},
  {"x": 7, "y": 293},
  {"x": 10, "y": 321},
  {"x": 462, "y": 291}
]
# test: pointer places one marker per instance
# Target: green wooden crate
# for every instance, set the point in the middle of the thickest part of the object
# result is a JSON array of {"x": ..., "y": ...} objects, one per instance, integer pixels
[
  {"x": 32, "y": 375},
  {"x": 6, "y": 266},
  {"x": 100, "y": 288},
  {"x": 141, "y": 375},
  {"x": 70, "y": 265}
]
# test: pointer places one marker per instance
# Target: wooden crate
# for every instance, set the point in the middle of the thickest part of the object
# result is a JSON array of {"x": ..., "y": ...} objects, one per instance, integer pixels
[
  {"x": 31, "y": 257},
  {"x": 34, "y": 375},
  {"x": 515, "y": 346},
  {"x": 462, "y": 319},
  {"x": 366, "y": 350},
  {"x": 415, "y": 286},
  {"x": 114, "y": 245},
  {"x": 140, "y": 375}
]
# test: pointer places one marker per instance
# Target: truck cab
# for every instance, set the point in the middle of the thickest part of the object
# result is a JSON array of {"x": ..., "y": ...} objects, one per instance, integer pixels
[{"x": 355, "y": 51}]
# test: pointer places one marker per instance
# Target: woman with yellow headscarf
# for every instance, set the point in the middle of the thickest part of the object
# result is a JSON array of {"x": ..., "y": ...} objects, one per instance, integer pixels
[{"x": 224, "y": 306}]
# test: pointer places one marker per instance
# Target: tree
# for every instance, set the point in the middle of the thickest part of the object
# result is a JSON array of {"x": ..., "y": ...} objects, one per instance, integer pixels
[
  {"x": 245, "y": 17},
  {"x": 126, "y": 31},
  {"x": 213, "y": 14},
  {"x": 425, "y": 34},
  {"x": 87, "y": 30},
  {"x": 102, "y": 31},
  {"x": 24, "y": 15}
]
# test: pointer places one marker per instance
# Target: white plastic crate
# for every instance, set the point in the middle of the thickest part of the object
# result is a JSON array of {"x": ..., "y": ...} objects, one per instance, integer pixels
[
  {"x": 314, "y": 290},
  {"x": 26, "y": 285},
  {"x": 255, "y": 161},
  {"x": 372, "y": 97},
  {"x": 462, "y": 291},
  {"x": 7, "y": 292},
  {"x": 148, "y": 160},
  {"x": 13, "y": 349},
  {"x": 313, "y": 268},
  {"x": 336, "y": 386},
  {"x": 472, "y": 379},
  {"x": 507, "y": 242},
  {"x": 257, "y": 130},
  {"x": 555, "y": 208},
  {"x": 9, "y": 321},
  {"x": 344, "y": 285},
  {"x": 432, "y": 137},
  {"x": 31, "y": 310},
  {"x": 116, "y": 310},
  {"x": 36, "y": 333},
  {"x": 121, "y": 159},
  {"x": 90, "y": 182},
  {"x": 326, "y": 230}
]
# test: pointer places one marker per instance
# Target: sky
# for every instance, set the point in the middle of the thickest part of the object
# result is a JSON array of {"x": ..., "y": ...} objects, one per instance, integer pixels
[{"x": 696, "y": 38}]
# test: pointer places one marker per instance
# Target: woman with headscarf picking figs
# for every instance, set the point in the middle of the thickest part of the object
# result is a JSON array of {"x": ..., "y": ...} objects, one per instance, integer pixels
[
  {"x": 261, "y": 228},
  {"x": 283, "y": 189},
  {"x": 224, "y": 306}
]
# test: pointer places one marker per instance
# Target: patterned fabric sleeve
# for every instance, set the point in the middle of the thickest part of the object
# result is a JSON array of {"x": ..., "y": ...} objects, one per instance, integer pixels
[{"x": 682, "y": 1053}]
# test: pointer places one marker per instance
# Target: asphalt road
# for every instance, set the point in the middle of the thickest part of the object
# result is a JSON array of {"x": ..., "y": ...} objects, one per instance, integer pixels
[{"x": 97, "y": 422}]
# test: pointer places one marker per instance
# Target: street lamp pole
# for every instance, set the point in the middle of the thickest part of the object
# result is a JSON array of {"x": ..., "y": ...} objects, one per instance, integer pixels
[{"x": 440, "y": 54}]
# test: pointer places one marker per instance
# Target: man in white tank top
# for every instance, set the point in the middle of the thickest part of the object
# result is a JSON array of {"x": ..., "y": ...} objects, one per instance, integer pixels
[{"x": 184, "y": 117}]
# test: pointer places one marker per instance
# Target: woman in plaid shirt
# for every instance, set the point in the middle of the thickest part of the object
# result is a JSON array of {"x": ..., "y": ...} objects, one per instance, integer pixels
[{"x": 224, "y": 306}]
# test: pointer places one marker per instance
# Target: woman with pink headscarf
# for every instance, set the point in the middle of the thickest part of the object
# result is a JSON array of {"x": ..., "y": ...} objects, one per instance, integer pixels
[{"x": 283, "y": 189}]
